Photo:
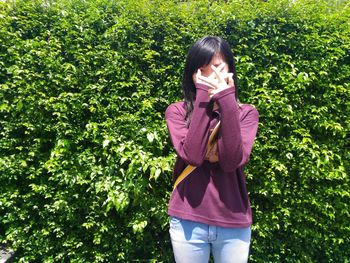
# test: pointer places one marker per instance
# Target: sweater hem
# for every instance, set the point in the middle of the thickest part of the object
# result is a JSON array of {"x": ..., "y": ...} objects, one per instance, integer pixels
[{"x": 204, "y": 220}]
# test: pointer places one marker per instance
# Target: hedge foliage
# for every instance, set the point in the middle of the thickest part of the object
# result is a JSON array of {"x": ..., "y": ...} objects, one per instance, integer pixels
[{"x": 85, "y": 159}]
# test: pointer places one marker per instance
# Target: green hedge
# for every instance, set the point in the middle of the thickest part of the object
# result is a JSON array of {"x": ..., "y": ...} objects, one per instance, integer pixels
[{"x": 85, "y": 159}]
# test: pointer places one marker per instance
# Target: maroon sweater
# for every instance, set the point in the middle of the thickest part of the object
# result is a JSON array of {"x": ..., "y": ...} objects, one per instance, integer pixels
[{"x": 214, "y": 193}]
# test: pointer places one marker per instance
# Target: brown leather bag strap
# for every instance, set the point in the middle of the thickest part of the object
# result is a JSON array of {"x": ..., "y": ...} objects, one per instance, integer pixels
[{"x": 190, "y": 168}]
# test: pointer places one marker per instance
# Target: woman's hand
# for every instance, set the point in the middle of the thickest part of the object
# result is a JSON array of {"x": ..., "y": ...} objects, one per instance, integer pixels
[{"x": 217, "y": 80}]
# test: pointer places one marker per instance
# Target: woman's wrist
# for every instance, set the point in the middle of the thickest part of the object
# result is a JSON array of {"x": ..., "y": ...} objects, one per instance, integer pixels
[
  {"x": 202, "y": 86},
  {"x": 223, "y": 93}
]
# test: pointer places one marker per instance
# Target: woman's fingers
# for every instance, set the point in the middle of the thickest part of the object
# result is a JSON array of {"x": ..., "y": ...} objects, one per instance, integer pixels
[
  {"x": 199, "y": 73},
  {"x": 217, "y": 80},
  {"x": 196, "y": 75},
  {"x": 217, "y": 71},
  {"x": 220, "y": 67},
  {"x": 230, "y": 79},
  {"x": 224, "y": 80}
]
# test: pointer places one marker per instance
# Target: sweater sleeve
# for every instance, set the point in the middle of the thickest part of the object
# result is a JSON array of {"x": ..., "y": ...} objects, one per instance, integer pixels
[
  {"x": 236, "y": 136},
  {"x": 190, "y": 143}
]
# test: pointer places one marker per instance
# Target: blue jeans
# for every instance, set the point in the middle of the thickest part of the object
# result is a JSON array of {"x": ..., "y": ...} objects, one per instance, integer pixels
[{"x": 192, "y": 242}]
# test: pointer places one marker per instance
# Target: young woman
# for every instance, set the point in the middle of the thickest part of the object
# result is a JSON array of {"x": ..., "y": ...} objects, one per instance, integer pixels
[{"x": 209, "y": 209}]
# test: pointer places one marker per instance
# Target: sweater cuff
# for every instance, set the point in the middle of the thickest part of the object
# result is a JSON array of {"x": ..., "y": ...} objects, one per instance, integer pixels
[
  {"x": 223, "y": 93},
  {"x": 226, "y": 99},
  {"x": 202, "y": 87}
]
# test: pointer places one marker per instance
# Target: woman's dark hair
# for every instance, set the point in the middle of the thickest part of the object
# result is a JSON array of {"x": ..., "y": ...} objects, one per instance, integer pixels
[{"x": 199, "y": 55}]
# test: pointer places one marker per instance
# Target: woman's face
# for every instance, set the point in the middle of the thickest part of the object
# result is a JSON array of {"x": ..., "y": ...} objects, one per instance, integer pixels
[{"x": 215, "y": 61}]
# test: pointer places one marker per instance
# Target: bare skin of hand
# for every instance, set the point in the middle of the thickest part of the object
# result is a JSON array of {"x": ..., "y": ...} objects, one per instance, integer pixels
[{"x": 218, "y": 80}]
